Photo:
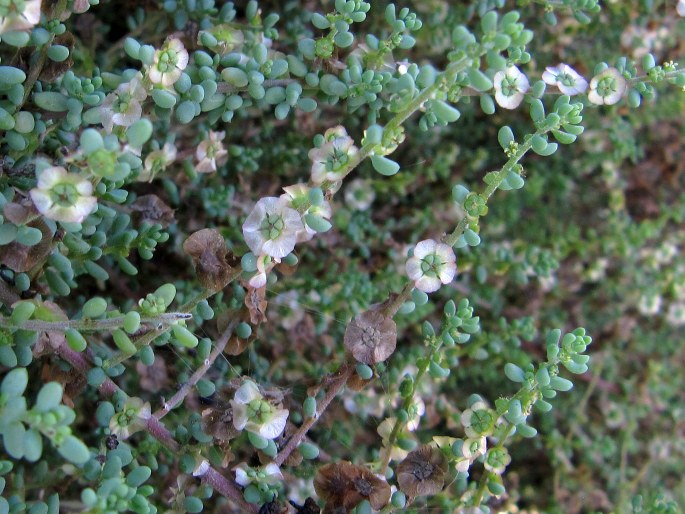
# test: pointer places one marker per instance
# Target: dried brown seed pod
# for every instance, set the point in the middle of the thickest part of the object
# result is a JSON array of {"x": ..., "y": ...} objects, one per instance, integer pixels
[
  {"x": 422, "y": 472},
  {"x": 342, "y": 485},
  {"x": 371, "y": 337}
]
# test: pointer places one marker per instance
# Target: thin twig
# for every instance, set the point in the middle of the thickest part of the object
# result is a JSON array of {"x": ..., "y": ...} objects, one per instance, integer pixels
[
  {"x": 199, "y": 373},
  {"x": 157, "y": 430},
  {"x": 337, "y": 382}
]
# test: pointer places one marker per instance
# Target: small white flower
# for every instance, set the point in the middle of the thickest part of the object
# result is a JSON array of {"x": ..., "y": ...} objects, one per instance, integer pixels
[
  {"x": 649, "y": 304},
  {"x": 169, "y": 62},
  {"x": 272, "y": 227},
  {"x": 211, "y": 153},
  {"x": 474, "y": 447},
  {"x": 676, "y": 314},
  {"x": 607, "y": 87},
  {"x": 123, "y": 106},
  {"x": 297, "y": 196},
  {"x": 253, "y": 413},
  {"x": 565, "y": 78},
  {"x": 19, "y": 15},
  {"x": 680, "y": 8},
  {"x": 432, "y": 265},
  {"x": 63, "y": 196},
  {"x": 269, "y": 474},
  {"x": 156, "y": 161},
  {"x": 332, "y": 158},
  {"x": 359, "y": 195},
  {"x": 510, "y": 86}
]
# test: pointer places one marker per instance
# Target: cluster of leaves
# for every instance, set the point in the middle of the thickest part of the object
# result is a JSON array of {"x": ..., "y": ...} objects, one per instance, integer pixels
[{"x": 378, "y": 337}]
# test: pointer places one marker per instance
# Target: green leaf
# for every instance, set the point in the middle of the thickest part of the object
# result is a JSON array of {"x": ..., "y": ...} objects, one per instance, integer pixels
[
  {"x": 163, "y": 98},
  {"x": 193, "y": 504},
  {"x": 561, "y": 384},
  {"x": 49, "y": 397},
  {"x": 308, "y": 451},
  {"x": 75, "y": 340},
  {"x": 58, "y": 53},
  {"x": 526, "y": 430},
  {"x": 505, "y": 136},
  {"x": 10, "y": 75},
  {"x": 15, "y": 382},
  {"x": 384, "y": 166},
  {"x": 74, "y": 450},
  {"x": 184, "y": 336},
  {"x": 33, "y": 445},
  {"x": 22, "y": 312},
  {"x": 317, "y": 223},
  {"x": 95, "y": 307},
  {"x": 320, "y": 21},
  {"x": 478, "y": 80},
  {"x": 7, "y": 121},
  {"x": 445, "y": 111},
  {"x": 123, "y": 342},
  {"x": 139, "y": 133},
  {"x": 166, "y": 292},
  {"x": 51, "y": 101},
  {"x": 138, "y": 476},
  {"x": 257, "y": 440},
  {"x": 13, "y": 437},
  {"x": 513, "y": 372}
]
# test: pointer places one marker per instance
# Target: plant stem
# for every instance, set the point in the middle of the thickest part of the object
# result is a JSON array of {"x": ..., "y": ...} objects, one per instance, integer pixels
[
  {"x": 37, "y": 67},
  {"x": 199, "y": 373},
  {"x": 157, "y": 430},
  {"x": 93, "y": 325},
  {"x": 405, "y": 405},
  {"x": 337, "y": 382}
]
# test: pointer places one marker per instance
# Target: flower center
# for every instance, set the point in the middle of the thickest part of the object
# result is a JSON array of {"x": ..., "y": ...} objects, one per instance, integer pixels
[
  {"x": 423, "y": 471},
  {"x": 566, "y": 79},
  {"x": 167, "y": 60},
  {"x": 272, "y": 226},
  {"x": 363, "y": 486},
  {"x": 64, "y": 195},
  {"x": 606, "y": 86},
  {"x": 509, "y": 86},
  {"x": 259, "y": 411},
  {"x": 430, "y": 264},
  {"x": 336, "y": 160},
  {"x": 122, "y": 102},
  {"x": 371, "y": 336}
]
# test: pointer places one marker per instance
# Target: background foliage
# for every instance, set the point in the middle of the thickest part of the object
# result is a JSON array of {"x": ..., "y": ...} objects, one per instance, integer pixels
[{"x": 591, "y": 240}]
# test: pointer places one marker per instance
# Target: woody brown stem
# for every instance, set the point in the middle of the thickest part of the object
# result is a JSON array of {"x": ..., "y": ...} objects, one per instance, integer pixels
[{"x": 337, "y": 382}]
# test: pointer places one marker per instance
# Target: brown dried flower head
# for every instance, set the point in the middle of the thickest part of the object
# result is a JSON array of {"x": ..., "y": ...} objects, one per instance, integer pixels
[
  {"x": 209, "y": 253},
  {"x": 422, "y": 472},
  {"x": 343, "y": 486},
  {"x": 371, "y": 337}
]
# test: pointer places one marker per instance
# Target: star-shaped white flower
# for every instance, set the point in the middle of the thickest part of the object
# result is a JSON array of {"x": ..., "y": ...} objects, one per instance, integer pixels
[
  {"x": 211, "y": 153},
  {"x": 607, "y": 87},
  {"x": 269, "y": 474},
  {"x": 63, "y": 196},
  {"x": 169, "y": 62},
  {"x": 19, "y": 15},
  {"x": 253, "y": 413},
  {"x": 432, "y": 265},
  {"x": 331, "y": 159},
  {"x": 510, "y": 86},
  {"x": 565, "y": 78},
  {"x": 123, "y": 105},
  {"x": 156, "y": 161},
  {"x": 272, "y": 227},
  {"x": 297, "y": 196}
]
